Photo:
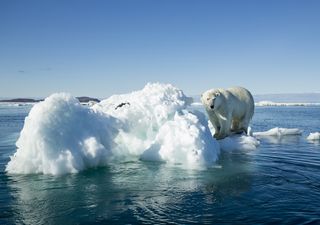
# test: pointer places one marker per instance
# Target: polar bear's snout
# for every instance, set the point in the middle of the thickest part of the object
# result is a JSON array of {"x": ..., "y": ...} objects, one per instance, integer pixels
[{"x": 212, "y": 103}]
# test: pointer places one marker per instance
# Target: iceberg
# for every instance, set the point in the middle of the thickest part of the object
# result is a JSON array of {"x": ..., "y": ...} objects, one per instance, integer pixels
[{"x": 61, "y": 136}]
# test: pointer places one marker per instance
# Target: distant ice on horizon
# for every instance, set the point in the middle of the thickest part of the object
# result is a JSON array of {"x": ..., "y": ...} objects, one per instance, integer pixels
[
  {"x": 289, "y": 98},
  {"x": 270, "y": 103},
  {"x": 279, "y": 132}
]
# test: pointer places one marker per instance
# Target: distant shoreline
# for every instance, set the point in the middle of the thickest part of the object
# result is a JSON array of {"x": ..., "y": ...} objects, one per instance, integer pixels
[
  {"x": 21, "y": 100},
  {"x": 82, "y": 99}
]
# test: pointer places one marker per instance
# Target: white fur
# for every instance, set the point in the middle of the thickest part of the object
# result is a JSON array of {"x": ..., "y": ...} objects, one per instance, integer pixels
[{"x": 230, "y": 110}]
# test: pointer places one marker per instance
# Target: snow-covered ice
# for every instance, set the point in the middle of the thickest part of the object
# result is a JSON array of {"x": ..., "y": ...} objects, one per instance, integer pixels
[{"x": 62, "y": 136}]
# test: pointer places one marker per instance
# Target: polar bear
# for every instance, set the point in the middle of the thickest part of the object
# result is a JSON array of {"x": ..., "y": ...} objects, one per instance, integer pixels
[{"x": 230, "y": 110}]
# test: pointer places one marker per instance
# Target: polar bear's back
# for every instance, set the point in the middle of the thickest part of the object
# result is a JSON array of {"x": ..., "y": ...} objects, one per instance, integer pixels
[
  {"x": 241, "y": 93},
  {"x": 243, "y": 96}
]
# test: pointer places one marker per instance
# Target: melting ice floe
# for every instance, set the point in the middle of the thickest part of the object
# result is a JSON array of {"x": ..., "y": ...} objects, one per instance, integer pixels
[
  {"x": 279, "y": 132},
  {"x": 62, "y": 136},
  {"x": 314, "y": 136}
]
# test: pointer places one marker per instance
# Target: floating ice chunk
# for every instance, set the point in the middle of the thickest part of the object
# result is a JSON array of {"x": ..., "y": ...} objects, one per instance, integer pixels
[
  {"x": 314, "y": 136},
  {"x": 61, "y": 136},
  {"x": 279, "y": 132},
  {"x": 238, "y": 142}
]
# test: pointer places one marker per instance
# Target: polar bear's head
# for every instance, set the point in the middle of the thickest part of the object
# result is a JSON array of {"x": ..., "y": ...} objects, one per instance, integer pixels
[{"x": 212, "y": 99}]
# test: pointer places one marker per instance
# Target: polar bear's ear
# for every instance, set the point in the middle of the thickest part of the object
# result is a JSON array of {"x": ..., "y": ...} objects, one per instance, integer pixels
[{"x": 217, "y": 94}]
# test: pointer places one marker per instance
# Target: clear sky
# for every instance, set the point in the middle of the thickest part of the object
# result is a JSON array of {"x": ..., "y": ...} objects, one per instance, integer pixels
[{"x": 102, "y": 47}]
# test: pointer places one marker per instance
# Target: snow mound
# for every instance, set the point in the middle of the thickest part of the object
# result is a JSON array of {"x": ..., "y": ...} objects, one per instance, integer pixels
[
  {"x": 62, "y": 136},
  {"x": 279, "y": 132},
  {"x": 314, "y": 136}
]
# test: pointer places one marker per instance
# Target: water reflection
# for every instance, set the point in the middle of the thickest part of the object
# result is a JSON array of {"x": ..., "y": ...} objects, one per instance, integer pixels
[
  {"x": 315, "y": 142},
  {"x": 129, "y": 192}
]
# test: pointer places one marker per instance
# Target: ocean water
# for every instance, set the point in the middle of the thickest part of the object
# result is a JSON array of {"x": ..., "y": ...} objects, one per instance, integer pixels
[{"x": 279, "y": 182}]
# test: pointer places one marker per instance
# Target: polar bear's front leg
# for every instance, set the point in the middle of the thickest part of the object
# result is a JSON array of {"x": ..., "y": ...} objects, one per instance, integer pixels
[
  {"x": 217, "y": 131},
  {"x": 225, "y": 125},
  {"x": 214, "y": 121},
  {"x": 216, "y": 127},
  {"x": 245, "y": 125}
]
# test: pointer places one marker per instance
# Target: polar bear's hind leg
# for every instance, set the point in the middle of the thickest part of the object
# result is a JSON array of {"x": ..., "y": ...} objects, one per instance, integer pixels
[
  {"x": 245, "y": 126},
  {"x": 235, "y": 125}
]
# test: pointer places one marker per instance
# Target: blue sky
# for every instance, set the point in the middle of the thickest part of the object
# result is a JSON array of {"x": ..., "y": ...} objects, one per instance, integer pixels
[{"x": 99, "y": 48}]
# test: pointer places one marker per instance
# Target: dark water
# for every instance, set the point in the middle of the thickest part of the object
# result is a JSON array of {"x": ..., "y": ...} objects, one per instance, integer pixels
[{"x": 277, "y": 183}]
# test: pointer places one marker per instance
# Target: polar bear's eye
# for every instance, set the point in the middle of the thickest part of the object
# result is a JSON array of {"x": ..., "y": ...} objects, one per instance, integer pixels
[{"x": 208, "y": 99}]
